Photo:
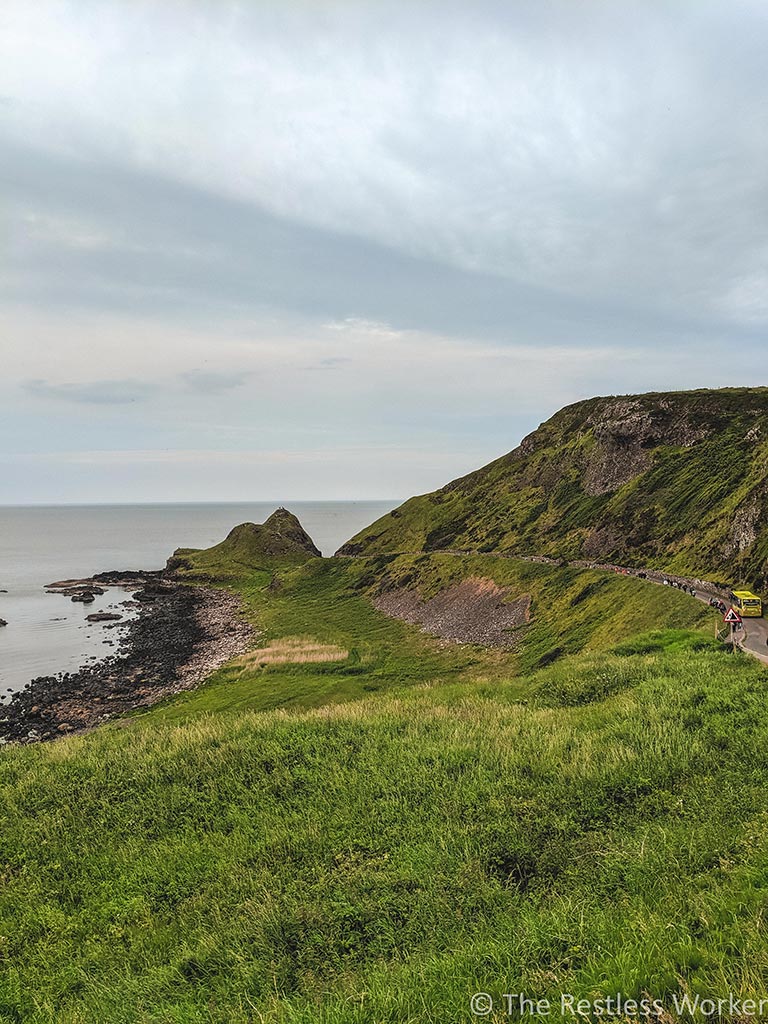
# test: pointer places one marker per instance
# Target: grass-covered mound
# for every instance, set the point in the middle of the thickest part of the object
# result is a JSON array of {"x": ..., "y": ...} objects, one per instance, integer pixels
[
  {"x": 605, "y": 830},
  {"x": 677, "y": 481},
  {"x": 280, "y": 541}
]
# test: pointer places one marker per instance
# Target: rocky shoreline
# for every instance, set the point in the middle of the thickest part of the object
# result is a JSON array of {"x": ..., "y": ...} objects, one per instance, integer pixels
[{"x": 181, "y": 634}]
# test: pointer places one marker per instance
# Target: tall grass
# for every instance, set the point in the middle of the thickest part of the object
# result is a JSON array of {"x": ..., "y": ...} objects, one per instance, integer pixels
[
  {"x": 599, "y": 827},
  {"x": 290, "y": 651}
]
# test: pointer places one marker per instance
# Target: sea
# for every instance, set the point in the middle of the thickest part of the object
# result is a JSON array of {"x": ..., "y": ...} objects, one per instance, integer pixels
[{"x": 41, "y": 544}]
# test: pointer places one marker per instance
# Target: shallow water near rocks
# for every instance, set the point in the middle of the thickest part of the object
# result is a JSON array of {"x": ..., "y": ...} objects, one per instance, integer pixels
[{"x": 48, "y": 633}]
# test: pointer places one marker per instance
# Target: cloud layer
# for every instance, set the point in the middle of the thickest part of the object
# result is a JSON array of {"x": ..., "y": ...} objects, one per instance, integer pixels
[{"x": 463, "y": 217}]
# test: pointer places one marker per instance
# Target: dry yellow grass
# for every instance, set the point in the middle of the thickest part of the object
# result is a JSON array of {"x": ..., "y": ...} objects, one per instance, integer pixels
[{"x": 292, "y": 650}]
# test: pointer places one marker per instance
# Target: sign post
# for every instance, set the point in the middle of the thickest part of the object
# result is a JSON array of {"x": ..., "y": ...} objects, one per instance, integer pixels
[{"x": 734, "y": 620}]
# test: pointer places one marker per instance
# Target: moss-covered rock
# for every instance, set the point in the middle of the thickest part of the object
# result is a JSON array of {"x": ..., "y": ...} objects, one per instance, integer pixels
[{"x": 280, "y": 541}]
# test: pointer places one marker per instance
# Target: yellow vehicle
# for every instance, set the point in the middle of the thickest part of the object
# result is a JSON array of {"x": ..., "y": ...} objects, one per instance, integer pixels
[{"x": 747, "y": 603}]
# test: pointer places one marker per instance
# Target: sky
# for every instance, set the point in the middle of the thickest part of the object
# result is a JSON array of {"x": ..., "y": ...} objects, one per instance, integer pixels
[{"x": 331, "y": 250}]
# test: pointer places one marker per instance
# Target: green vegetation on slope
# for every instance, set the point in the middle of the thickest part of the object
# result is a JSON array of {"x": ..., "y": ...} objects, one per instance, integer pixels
[
  {"x": 318, "y": 601},
  {"x": 367, "y": 824},
  {"x": 571, "y": 609},
  {"x": 328, "y": 600},
  {"x": 677, "y": 481},
  {"x": 383, "y": 859},
  {"x": 278, "y": 542}
]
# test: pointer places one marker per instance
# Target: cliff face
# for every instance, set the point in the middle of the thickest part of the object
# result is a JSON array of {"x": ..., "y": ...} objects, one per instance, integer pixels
[
  {"x": 677, "y": 481},
  {"x": 281, "y": 540}
]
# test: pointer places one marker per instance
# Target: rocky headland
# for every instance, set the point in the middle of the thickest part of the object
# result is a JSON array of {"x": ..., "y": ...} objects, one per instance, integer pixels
[
  {"x": 186, "y": 627},
  {"x": 678, "y": 481}
]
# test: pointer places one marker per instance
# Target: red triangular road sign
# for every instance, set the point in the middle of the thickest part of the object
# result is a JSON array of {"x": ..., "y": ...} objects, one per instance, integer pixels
[{"x": 732, "y": 616}]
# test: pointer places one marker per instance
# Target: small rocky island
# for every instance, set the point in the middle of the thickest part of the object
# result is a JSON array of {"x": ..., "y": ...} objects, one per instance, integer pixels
[{"x": 185, "y": 629}]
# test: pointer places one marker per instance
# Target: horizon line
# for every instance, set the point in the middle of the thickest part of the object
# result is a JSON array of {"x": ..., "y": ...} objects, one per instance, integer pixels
[{"x": 150, "y": 504}]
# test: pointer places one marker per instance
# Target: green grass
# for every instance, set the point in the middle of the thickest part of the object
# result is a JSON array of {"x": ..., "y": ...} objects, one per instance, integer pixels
[
  {"x": 374, "y": 839},
  {"x": 279, "y": 542},
  {"x": 329, "y": 599},
  {"x": 382, "y": 859},
  {"x": 321, "y": 599},
  {"x": 572, "y": 609}
]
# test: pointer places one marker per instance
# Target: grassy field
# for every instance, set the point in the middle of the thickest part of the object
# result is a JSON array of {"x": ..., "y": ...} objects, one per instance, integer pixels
[
  {"x": 327, "y": 601},
  {"x": 382, "y": 859},
  {"x": 361, "y": 823}
]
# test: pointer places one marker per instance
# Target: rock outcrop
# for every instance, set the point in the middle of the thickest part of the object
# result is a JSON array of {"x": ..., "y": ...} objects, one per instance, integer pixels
[{"x": 281, "y": 540}]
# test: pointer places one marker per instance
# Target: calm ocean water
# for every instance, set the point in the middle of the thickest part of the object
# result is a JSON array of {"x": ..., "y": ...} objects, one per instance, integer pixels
[{"x": 40, "y": 544}]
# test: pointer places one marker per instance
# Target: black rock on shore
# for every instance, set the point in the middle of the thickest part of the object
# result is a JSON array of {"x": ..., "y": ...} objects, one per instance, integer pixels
[{"x": 180, "y": 635}]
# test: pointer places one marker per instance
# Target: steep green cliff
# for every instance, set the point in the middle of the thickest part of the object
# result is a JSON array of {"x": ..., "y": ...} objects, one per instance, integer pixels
[{"x": 676, "y": 481}]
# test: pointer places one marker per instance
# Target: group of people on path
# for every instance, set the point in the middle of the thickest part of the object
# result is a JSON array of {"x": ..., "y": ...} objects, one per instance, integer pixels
[
  {"x": 680, "y": 586},
  {"x": 714, "y": 602}
]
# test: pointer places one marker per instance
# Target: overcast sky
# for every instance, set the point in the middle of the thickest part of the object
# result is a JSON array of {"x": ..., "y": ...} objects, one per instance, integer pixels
[{"x": 265, "y": 250}]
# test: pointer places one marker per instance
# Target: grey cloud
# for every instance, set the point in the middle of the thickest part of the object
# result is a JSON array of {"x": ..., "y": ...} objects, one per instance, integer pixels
[
  {"x": 584, "y": 178},
  {"x": 589, "y": 158},
  {"x": 210, "y": 382},
  {"x": 100, "y": 392},
  {"x": 191, "y": 252},
  {"x": 331, "y": 363}
]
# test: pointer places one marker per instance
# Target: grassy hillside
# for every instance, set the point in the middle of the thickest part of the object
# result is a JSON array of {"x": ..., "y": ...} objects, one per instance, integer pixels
[
  {"x": 383, "y": 859},
  {"x": 677, "y": 481},
  {"x": 328, "y": 602},
  {"x": 359, "y": 822},
  {"x": 278, "y": 542}
]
